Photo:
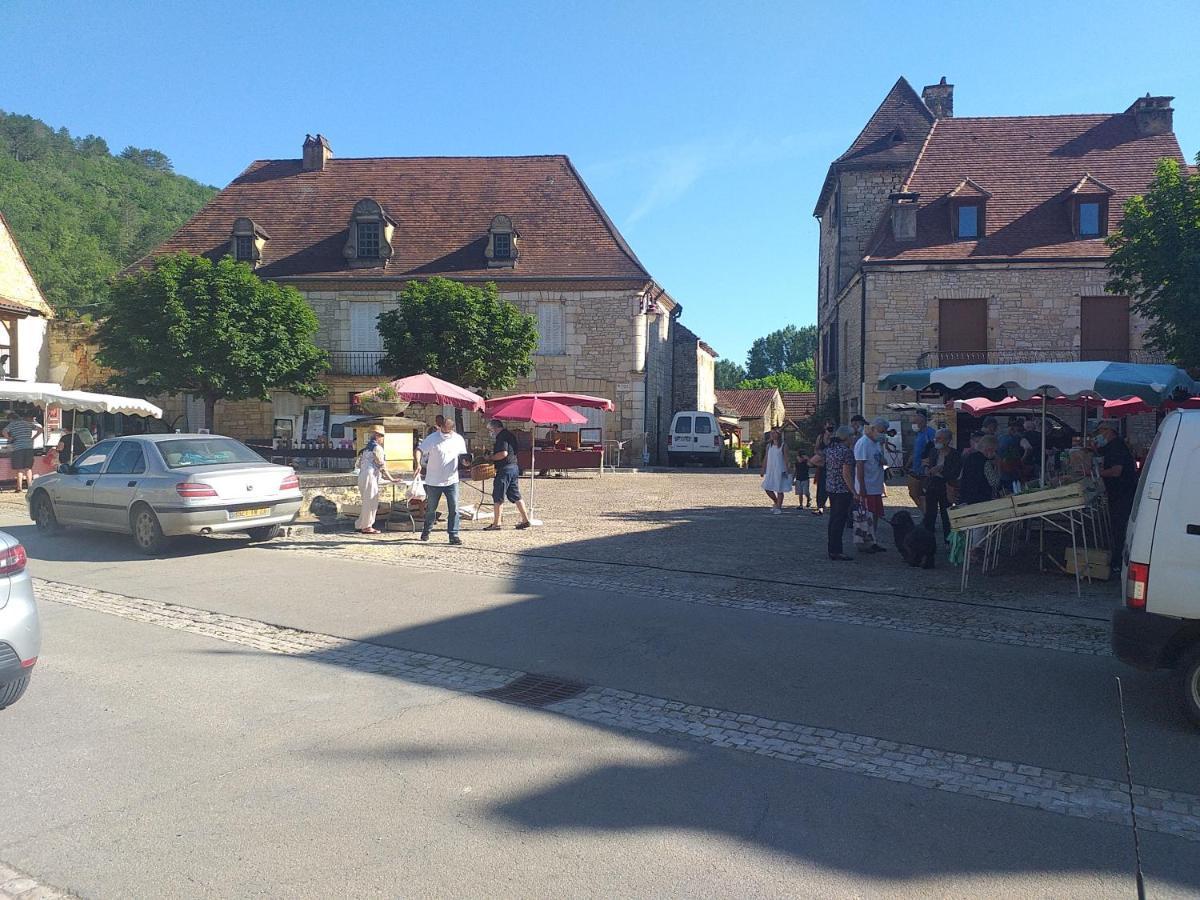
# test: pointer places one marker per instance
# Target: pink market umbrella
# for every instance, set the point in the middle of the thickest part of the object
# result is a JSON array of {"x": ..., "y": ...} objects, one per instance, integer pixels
[
  {"x": 537, "y": 410},
  {"x": 1135, "y": 406},
  {"x": 424, "y": 388},
  {"x": 580, "y": 400}
]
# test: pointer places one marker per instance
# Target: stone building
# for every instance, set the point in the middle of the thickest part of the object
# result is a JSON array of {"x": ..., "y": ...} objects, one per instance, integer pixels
[
  {"x": 24, "y": 314},
  {"x": 757, "y": 410},
  {"x": 695, "y": 371},
  {"x": 951, "y": 240},
  {"x": 349, "y": 234}
]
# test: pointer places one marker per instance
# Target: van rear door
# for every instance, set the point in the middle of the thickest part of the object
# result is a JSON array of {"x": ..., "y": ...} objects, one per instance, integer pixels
[{"x": 1164, "y": 528}]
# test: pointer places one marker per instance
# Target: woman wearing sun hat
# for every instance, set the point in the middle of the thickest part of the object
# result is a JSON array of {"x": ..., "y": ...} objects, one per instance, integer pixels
[{"x": 371, "y": 468}]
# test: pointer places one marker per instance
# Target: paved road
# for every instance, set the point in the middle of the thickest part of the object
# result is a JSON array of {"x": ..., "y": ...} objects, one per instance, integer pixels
[{"x": 237, "y": 720}]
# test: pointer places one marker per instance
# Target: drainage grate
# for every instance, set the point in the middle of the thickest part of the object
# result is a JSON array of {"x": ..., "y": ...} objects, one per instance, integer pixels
[{"x": 535, "y": 690}]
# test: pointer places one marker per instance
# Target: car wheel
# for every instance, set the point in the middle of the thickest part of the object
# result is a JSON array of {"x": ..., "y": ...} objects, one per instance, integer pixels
[
  {"x": 147, "y": 533},
  {"x": 44, "y": 516},
  {"x": 11, "y": 692},
  {"x": 1189, "y": 683},
  {"x": 265, "y": 533}
]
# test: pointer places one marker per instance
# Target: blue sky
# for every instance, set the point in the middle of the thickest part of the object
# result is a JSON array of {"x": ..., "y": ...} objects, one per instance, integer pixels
[{"x": 704, "y": 128}]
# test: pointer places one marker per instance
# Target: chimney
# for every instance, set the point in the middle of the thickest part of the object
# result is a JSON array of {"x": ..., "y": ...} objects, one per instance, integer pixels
[
  {"x": 904, "y": 215},
  {"x": 316, "y": 153},
  {"x": 1153, "y": 115},
  {"x": 939, "y": 98}
]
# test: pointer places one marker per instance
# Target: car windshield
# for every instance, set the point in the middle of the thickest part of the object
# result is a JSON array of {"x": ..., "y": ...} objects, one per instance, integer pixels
[{"x": 186, "y": 452}]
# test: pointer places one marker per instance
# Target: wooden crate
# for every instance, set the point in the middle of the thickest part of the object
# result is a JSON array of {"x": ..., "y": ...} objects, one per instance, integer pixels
[
  {"x": 978, "y": 514},
  {"x": 1092, "y": 563},
  {"x": 1050, "y": 500}
]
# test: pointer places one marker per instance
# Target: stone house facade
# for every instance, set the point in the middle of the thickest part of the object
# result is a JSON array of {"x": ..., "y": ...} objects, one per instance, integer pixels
[
  {"x": 695, "y": 374},
  {"x": 757, "y": 410},
  {"x": 350, "y": 234},
  {"x": 24, "y": 314},
  {"x": 949, "y": 240}
]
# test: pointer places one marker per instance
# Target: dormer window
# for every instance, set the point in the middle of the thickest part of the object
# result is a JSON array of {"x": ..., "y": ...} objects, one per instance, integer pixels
[
  {"x": 502, "y": 243},
  {"x": 967, "y": 222},
  {"x": 968, "y": 211},
  {"x": 247, "y": 241},
  {"x": 369, "y": 237},
  {"x": 1089, "y": 207}
]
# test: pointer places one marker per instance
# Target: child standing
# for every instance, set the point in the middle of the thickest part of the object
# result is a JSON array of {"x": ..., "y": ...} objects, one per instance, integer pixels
[{"x": 801, "y": 481}]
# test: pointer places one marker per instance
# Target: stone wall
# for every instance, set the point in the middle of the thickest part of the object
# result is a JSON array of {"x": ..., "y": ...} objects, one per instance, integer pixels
[
  {"x": 1029, "y": 307},
  {"x": 695, "y": 375},
  {"x": 71, "y": 356}
]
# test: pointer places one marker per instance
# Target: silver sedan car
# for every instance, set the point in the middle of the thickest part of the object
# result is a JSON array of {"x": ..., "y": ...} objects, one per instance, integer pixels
[
  {"x": 156, "y": 486},
  {"x": 20, "y": 632}
]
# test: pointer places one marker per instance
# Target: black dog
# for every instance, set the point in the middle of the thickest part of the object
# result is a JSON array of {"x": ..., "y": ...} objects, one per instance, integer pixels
[{"x": 917, "y": 545}]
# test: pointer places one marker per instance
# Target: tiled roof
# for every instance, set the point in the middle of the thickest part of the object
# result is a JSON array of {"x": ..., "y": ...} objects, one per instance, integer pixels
[
  {"x": 752, "y": 404},
  {"x": 442, "y": 207},
  {"x": 902, "y": 114},
  {"x": 1028, "y": 165},
  {"x": 798, "y": 405}
]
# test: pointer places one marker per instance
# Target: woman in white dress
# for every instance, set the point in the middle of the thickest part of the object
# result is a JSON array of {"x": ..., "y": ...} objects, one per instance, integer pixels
[
  {"x": 371, "y": 468},
  {"x": 776, "y": 479}
]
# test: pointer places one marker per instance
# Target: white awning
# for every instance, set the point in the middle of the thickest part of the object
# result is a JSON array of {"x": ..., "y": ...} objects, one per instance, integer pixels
[{"x": 50, "y": 394}]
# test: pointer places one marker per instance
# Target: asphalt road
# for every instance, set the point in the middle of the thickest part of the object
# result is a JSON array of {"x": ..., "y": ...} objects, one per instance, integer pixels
[{"x": 166, "y": 761}]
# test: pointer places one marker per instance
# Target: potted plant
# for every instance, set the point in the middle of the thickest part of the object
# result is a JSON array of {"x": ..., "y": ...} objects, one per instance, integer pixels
[{"x": 382, "y": 401}]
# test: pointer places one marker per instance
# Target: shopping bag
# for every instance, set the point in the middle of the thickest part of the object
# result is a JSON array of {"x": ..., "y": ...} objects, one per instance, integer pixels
[
  {"x": 417, "y": 490},
  {"x": 862, "y": 525},
  {"x": 958, "y": 547}
]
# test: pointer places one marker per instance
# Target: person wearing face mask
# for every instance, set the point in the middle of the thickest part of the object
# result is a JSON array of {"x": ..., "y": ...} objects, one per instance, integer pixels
[
  {"x": 868, "y": 478},
  {"x": 859, "y": 424},
  {"x": 943, "y": 464},
  {"x": 1120, "y": 475},
  {"x": 923, "y": 437}
]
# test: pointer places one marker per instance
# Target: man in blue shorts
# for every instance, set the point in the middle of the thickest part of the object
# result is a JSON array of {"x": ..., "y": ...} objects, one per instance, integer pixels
[{"x": 507, "y": 483}]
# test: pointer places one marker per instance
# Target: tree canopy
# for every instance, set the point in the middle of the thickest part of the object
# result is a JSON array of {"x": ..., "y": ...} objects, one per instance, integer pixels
[
  {"x": 1156, "y": 261},
  {"x": 464, "y": 333},
  {"x": 728, "y": 374},
  {"x": 784, "y": 381},
  {"x": 81, "y": 214},
  {"x": 782, "y": 351},
  {"x": 216, "y": 330}
]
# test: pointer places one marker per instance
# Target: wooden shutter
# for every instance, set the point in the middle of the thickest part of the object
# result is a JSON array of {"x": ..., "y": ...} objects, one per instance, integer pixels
[
  {"x": 1104, "y": 328},
  {"x": 364, "y": 327},
  {"x": 550, "y": 329},
  {"x": 962, "y": 331}
]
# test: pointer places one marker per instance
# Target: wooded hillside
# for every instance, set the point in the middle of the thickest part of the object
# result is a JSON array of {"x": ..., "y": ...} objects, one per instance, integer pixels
[{"x": 79, "y": 213}]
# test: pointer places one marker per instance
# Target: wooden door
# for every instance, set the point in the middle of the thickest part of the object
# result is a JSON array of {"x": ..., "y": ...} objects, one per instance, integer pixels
[
  {"x": 1104, "y": 328},
  {"x": 962, "y": 331}
]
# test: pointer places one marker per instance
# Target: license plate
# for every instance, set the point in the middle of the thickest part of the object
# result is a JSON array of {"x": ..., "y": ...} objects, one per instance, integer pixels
[{"x": 249, "y": 513}]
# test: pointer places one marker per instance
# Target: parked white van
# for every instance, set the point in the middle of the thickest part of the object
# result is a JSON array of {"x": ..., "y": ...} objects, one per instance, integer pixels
[
  {"x": 695, "y": 436},
  {"x": 1159, "y": 625}
]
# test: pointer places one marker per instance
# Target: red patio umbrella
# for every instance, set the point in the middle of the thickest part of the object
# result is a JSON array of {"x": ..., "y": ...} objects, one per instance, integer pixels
[
  {"x": 583, "y": 400},
  {"x": 537, "y": 410},
  {"x": 1135, "y": 406},
  {"x": 425, "y": 388}
]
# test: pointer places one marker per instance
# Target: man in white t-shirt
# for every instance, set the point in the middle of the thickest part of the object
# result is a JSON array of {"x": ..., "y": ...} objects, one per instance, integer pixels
[
  {"x": 868, "y": 476},
  {"x": 440, "y": 453}
]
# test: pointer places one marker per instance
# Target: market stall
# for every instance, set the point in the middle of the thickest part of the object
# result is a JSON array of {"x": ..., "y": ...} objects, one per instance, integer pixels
[{"x": 1075, "y": 503}]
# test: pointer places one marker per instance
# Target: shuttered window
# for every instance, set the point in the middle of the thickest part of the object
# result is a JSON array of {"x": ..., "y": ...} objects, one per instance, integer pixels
[
  {"x": 550, "y": 329},
  {"x": 364, "y": 326},
  {"x": 962, "y": 331},
  {"x": 1104, "y": 328}
]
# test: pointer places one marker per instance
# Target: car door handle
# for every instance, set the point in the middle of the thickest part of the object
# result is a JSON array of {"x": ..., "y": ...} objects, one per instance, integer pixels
[
  {"x": 90, "y": 482},
  {"x": 131, "y": 484},
  {"x": 1193, "y": 529}
]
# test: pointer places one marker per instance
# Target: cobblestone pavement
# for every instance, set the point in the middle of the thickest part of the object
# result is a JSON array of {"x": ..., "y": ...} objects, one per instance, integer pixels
[
  {"x": 15, "y": 884},
  {"x": 996, "y": 780}
]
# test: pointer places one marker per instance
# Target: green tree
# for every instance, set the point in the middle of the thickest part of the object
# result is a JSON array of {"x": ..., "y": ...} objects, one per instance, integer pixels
[
  {"x": 781, "y": 350},
  {"x": 728, "y": 374},
  {"x": 1156, "y": 261},
  {"x": 783, "y": 381},
  {"x": 463, "y": 333},
  {"x": 216, "y": 330}
]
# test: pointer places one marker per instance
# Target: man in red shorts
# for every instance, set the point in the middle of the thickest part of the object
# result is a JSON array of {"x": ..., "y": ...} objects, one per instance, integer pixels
[{"x": 868, "y": 477}]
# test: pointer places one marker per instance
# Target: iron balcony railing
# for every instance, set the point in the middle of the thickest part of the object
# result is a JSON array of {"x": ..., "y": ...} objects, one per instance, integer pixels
[
  {"x": 937, "y": 359},
  {"x": 356, "y": 362}
]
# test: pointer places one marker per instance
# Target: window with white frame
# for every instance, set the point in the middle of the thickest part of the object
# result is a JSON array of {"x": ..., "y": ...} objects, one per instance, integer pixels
[{"x": 550, "y": 329}]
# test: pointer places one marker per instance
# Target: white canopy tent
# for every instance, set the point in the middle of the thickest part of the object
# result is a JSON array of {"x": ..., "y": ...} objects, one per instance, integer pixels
[{"x": 43, "y": 394}]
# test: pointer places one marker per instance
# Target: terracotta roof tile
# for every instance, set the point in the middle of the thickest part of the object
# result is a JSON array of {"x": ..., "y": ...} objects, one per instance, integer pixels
[
  {"x": 1029, "y": 165},
  {"x": 799, "y": 405},
  {"x": 752, "y": 404},
  {"x": 442, "y": 206}
]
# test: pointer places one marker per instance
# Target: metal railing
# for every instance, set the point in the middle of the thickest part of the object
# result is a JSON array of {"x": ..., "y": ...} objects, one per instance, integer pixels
[
  {"x": 355, "y": 362},
  {"x": 936, "y": 359}
]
